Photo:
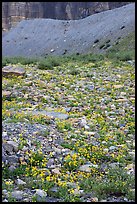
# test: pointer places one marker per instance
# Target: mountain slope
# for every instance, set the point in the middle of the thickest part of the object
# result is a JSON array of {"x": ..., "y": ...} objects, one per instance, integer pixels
[{"x": 96, "y": 33}]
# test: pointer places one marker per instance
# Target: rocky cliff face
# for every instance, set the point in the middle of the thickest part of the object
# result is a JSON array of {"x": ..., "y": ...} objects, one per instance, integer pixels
[{"x": 13, "y": 12}]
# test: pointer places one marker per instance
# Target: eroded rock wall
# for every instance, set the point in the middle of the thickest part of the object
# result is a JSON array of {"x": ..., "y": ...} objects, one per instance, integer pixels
[{"x": 13, "y": 12}]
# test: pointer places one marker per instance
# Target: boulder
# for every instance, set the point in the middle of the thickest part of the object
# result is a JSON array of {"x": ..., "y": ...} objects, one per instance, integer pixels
[{"x": 11, "y": 70}]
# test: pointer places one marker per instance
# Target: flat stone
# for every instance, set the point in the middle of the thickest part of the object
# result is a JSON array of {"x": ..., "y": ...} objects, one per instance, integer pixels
[
  {"x": 122, "y": 100},
  {"x": 51, "y": 114},
  {"x": 10, "y": 70}
]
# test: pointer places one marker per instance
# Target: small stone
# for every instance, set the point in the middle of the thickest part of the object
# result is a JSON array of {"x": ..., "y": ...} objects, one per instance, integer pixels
[
  {"x": 117, "y": 86},
  {"x": 85, "y": 168},
  {"x": 12, "y": 168},
  {"x": 40, "y": 194},
  {"x": 133, "y": 143},
  {"x": 8, "y": 147},
  {"x": 125, "y": 199},
  {"x": 113, "y": 165},
  {"x": 54, "y": 189},
  {"x": 90, "y": 133},
  {"x": 72, "y": 184},
  {"x": 4, "y": 134},
  {"x": 13, "y": 159},
  {"x": 123, "y": 93},
  {"x": 17, "y": 194},
  {"x": 132, "y": 154},
  {"x": 14, "y": 144},
  {"x": 52, "y": 50},
  {"x": 57, "y": 150},
  {"x": 104, "y": 142},
  {"x": 106, "y": 150},
  {"x": 4, "y": 191},
  {"x": 95, "y": 199},
  {"x": 50, "y": 162},
  {"x": 111, "y": 148},
  {"x": 20, "y": 182},
  {"x": 78, "y": 192},
  {"x": 5, "y": 200},
  {"x": 56, "y": 171}
]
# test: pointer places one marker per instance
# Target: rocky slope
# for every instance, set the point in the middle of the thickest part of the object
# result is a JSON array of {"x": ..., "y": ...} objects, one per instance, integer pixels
[
  {"x": 13, "y": 12},
  {"x": 96, "y": 33},
  {"x": 68, "y": 132}
]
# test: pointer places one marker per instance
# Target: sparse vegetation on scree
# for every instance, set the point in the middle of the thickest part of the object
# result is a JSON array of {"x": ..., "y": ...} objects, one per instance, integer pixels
[{"x": 93, "y": 161}]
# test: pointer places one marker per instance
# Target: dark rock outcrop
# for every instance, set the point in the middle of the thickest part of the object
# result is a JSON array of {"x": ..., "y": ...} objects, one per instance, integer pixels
[{"x": 13, "y": 12}]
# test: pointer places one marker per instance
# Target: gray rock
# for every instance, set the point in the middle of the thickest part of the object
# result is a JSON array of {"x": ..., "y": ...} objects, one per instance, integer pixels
[
  {"x": 50, "y": 162},
  {"x": 12, "y": 159},
  {"x": 14, "y": 144},
  {"x": 17, "y": 194},
  {"x": 41, "y": 193},
  {"x": 113, "y": 165},
  {"x": 8, "y": 148}
]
